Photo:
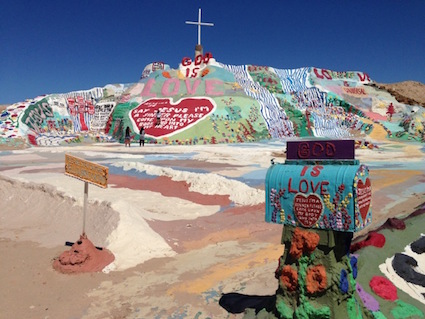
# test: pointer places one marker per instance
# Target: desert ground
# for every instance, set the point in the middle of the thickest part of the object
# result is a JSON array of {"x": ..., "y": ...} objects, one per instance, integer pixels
[{"x": 185, "y": 223}]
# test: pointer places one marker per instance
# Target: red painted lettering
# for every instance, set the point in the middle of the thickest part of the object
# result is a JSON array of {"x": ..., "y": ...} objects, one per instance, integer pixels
[
  {"x": 317, "y": 74},
  {"x": 314, "y": 188},
  {"x": 194, "y": 72},
  {"x": 186, "y": 61},
  {"x": 326, "y": 74},
  {"x": 303, "y": 182},
  {"x": 305, "y": 168},
  {"x": 290, "y": 189},
  {"x": 198, "y": 59},
  {"x": 303, "y": 150},
  {"x": 207, "y": 57},
  {"x": 330, "y": 149},
  {"x": 317, "y": 149},
  {"x": 363, "y": 77},
  {"x": 323, "y": 189},
  {"x": 316, "y": 170}
]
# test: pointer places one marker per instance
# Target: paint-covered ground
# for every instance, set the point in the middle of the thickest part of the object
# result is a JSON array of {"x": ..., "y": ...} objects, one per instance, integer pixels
[{"x": 185, "y": 223}]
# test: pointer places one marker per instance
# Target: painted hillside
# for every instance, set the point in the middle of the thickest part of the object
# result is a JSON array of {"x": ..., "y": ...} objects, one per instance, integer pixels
[{"x": 206, "y": 102}]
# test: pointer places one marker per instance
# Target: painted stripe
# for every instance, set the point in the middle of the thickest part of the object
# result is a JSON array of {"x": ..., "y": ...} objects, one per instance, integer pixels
[{"x": 275, "y": 117}]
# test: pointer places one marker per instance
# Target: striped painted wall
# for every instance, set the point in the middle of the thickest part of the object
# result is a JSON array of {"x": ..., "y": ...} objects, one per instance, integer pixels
[
  {"x": 273, "y": 114},
  {"x": 293, "y": 80}
]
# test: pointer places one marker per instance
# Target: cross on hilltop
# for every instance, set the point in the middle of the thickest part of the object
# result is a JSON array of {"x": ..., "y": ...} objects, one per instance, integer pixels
[{"x": 199, "y": 23}]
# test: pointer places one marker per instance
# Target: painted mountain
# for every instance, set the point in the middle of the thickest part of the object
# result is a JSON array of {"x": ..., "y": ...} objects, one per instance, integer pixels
[{"x": 207, "y": 102}]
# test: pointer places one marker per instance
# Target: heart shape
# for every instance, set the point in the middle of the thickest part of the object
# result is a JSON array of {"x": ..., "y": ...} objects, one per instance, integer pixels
[
  {"x": 175, "y": 117},
  {"x": 308, "y": 209},
  {"x": 364, "y": 197}
]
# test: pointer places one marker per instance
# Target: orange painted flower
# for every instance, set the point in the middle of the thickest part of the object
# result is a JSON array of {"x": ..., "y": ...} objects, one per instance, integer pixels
[
  {"x": 316, "y": 279},
  {"x": 166, "y": 74},
  {"x": 303, "y": 241},
  {"x": 289, "y": 278}
]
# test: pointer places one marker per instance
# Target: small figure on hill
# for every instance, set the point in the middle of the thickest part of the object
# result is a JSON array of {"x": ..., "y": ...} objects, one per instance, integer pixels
[
  {"x": 127, "y": 137},
  {"x": 158, "y": 117},
  {"x": 142, "y": 136},
  {"x": 307, "y": 117},
  {"x": 390, "y": 111}
]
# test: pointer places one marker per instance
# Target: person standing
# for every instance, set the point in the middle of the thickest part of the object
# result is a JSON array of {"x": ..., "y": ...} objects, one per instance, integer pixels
[
  {"x": 142, "y": 136},
  {"x": 127, "y": 137},
  {"x": 158, "y": 117}
]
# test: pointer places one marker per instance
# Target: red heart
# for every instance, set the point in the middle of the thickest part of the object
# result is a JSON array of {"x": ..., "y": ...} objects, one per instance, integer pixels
[
  {"x": 175, "y": 117},
  {"x": 308, "y": 209},
  {"x": 364, "y": 196}
]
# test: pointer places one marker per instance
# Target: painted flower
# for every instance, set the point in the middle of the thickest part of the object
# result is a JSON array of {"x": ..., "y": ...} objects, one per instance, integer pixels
[
  {"x": 316, "y": 279},
  {"x": 289, "y": 278}
]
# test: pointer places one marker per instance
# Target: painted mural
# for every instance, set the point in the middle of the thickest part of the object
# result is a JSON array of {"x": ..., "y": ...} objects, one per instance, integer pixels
[{"x": 207, "y": 102}]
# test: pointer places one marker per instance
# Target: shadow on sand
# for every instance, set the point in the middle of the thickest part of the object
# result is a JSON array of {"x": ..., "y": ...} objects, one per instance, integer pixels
[{"x": 237, "y": 303}]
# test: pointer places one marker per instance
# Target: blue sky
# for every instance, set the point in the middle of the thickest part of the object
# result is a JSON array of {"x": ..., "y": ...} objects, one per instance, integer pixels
[{"x": 57, "y": 46}]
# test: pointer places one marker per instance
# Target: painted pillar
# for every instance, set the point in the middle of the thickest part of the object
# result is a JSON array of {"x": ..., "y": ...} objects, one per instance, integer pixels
[{"x": 321, "y": 195}]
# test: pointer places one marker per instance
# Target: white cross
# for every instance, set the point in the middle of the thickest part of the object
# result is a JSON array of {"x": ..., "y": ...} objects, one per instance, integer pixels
[{"x": 199, "y": 23}]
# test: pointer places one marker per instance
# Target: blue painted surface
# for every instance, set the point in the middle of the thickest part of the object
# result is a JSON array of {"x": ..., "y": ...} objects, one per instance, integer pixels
[
  {"x": 211, "y": 295},
  {"x": 163, "y": 157},
  {"x": 132, "y": 172},
  {"x": 394, "y": 165},
  {"x": 343, "y": 281},
  {"x": 190, "y": 169},
  {"x": 5, "y": 153},
  {"x": 224, "y": 208},
  {"x": 323, "y": 196},
  {"x": 255, "y": 178}
]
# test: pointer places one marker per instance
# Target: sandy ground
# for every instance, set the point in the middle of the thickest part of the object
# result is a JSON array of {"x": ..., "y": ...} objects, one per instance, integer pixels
[{"x": 194, "y": 226}]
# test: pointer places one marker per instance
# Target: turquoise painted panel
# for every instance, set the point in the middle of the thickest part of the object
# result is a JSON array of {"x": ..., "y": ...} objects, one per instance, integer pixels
[{"x": 329, "y": 195}]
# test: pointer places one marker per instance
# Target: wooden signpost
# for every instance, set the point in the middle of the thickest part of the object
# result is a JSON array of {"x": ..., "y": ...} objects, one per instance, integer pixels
[{"x": 89, "y": 173}]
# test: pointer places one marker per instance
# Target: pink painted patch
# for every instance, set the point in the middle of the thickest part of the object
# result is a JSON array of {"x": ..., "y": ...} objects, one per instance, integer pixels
[
  {"x": 228, "y": 225},
  {"x": 383, "y": 288},
  {"x": 375, "y": 116},
  {"x": 83, "y": 257},
  {"x": 167, "y": 187}
]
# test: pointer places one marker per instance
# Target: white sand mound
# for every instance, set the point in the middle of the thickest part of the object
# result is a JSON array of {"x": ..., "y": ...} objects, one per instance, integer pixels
[
  {"x": 207, "y": 184},
  {"x": 40, "y": 213}
]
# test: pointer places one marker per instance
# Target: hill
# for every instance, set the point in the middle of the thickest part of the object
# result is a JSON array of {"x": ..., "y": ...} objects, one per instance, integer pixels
[
  {"x": 407, "y": 92},
  {"x": 206, "y": 102}
]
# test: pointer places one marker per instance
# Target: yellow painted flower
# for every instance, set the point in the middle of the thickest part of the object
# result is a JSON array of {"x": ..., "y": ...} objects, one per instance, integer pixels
[{"x": 282, "y": 215}]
